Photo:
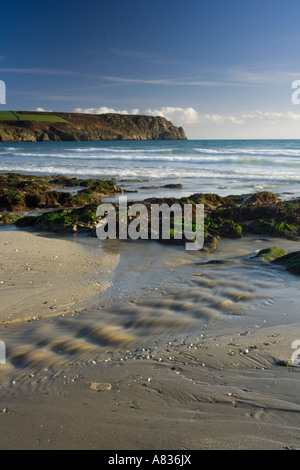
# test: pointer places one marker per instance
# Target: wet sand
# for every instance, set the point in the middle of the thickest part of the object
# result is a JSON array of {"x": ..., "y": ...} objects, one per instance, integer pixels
[
  {"x": 43, "y": 276},
  {"x": 189, "y": 346}
]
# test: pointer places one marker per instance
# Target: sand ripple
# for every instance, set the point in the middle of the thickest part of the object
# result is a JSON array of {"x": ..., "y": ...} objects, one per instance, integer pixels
[{"x": 183, "y": 300}]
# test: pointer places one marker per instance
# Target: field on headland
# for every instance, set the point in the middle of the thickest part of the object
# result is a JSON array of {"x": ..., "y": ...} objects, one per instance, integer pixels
[{"x": 8, "y": 116}]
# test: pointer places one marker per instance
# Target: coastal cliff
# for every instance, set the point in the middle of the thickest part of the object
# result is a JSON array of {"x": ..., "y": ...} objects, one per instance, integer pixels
[{"x": 54, "y": 127}]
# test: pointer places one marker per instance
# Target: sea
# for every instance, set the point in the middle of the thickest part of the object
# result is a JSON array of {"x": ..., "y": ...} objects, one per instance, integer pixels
[{"x": 224, "y": 167}]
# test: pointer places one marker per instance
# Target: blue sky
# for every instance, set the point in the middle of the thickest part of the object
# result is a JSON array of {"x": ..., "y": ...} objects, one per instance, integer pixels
[{"x": 221, "y": 69}]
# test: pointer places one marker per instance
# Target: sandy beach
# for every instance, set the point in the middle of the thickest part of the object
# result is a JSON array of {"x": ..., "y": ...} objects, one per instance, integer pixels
[
  {"x": 43, "y": 277},
  {"x": 184, "y": 351}
]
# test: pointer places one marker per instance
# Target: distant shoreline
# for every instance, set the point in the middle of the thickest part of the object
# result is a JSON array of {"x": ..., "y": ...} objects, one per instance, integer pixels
[{"x": 25, "y": 126}]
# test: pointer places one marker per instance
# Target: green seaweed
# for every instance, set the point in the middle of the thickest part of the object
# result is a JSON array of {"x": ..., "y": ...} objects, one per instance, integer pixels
[{"x": 272, "y": 253}]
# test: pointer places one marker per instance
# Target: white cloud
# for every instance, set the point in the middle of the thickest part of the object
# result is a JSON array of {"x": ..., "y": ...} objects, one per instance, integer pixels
[
  {"x": 42, "y": 110},
  {"x": 105, "y": 110},
  {"x": 177, "y": 115},
  {"x": 266, "y": 117},
  {"x": 182, "y": 116},
  {"x": 272, "y": 117},
  {"x": 220, "y": 119}
]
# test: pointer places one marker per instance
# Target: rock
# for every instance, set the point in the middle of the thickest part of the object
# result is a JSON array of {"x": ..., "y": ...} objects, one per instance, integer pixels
[
  {"x": 21, "y": 192},
  {"x": 262, "y": 198},
  {"x": 166, "y": 186},
  {"x": 211, "y": 244},
  {"x": 245, "y": 351},
  {"x": 215, "y": 261},
  {"x": 290, "y": 261},
  {"x": 285, "y": 363},
  {"x": 211, "y": 201},
  {"x": 230, "y": 217},
  {"x": 100, "y": 387},
  {"x": 8, "y": 219},
  {"x": 271, "y": 254},
  {"x": 173, "y": 186}
]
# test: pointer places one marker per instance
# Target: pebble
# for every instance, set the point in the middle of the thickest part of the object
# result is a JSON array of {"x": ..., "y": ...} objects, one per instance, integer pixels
[{"x": 100, "y": 387}]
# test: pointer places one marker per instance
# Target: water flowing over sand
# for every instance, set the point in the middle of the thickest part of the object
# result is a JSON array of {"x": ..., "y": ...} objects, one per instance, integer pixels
[{"x": 193, "y": 337}]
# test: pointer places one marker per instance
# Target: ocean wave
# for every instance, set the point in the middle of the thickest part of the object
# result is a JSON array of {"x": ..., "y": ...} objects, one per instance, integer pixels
[
  {"x": 188, "y": 153},
  {"x": 215, "y": 175},
  {"x": 121, "y": 150},
  {"x": 232, "y": 166},
  {"x": 257, "y": 152},
  {"x": 249, "y": 159}
]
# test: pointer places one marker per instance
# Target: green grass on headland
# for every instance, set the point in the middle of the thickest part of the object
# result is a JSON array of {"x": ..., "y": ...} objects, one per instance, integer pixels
[
  {"x": 19, "y": 116},
  {"x": 7, "y": 116}
]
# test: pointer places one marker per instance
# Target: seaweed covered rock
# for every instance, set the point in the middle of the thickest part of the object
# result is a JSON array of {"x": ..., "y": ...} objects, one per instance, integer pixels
[
  {"x": 223, "y": 227},
  {"x": 21, "y": 192},
  {"x": 290, "y": 261},
  {"x": 262, "y": 213},
  {"x": 8, "y": 219},
  {"x": 211, "y": 201},
  {"x": 262, "y": 198},
  {"x": 271, "y": 254},
  {"x": 63, "y": 221},
  {"x": 100, "y": 187},
  {"x": 225, "y": 217}
]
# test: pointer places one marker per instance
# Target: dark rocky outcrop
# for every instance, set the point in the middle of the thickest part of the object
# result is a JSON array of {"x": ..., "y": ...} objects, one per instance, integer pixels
[
  {"x": 236, "y": 216},
  {"x": 23, "y": 192},
  {"x": 87, "y": 127},
  {"x": 291, "y": 262},
  {"x": 225, "y": 217},
  {"x": 280, "y": 257},
  {"x": 165, "y": 186}
]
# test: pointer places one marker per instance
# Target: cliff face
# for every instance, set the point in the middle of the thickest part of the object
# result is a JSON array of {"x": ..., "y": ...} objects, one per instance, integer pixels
[{"x": 84, "y": 127}]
